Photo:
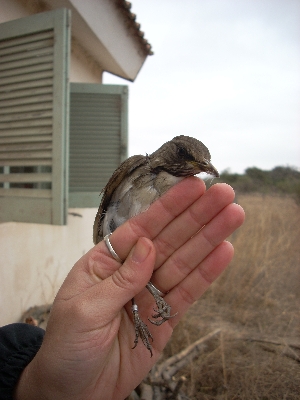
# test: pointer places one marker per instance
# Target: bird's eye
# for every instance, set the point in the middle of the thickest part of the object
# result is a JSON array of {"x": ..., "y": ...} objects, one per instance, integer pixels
[{"x": 182, "y": 152}]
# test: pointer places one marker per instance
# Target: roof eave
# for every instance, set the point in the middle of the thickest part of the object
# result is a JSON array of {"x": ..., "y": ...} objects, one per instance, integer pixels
[{"x": 110, "y": 34}]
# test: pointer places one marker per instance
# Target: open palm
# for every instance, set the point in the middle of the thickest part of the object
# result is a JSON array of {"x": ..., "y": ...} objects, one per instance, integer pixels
[{"x": 179, "y": 242}]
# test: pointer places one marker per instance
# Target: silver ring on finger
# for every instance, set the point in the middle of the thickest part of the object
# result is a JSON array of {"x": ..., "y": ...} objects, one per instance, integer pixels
[{"x": 111, "y": 249}]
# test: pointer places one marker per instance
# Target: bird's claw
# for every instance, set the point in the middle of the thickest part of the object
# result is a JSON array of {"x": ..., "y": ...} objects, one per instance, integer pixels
[
  {"x": 141, "y": 330},
  {"x": 163, "y": 311}
]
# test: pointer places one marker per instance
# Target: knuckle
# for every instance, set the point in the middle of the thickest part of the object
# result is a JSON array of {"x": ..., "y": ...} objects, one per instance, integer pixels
[
  {"x": 137, "y": 228},
  {"x": 182, "y": 266},
  {"x": 205, "y": 275},
  {"x": 186, "y": 296},
  {"x": 123, "y": 279},
  {"x": 163, "y": 247},
  {"x": 209, "y": 239},
  {"x": 196, "y": 217}
]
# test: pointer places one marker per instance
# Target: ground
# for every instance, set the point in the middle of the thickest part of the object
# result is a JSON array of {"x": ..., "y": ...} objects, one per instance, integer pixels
[{"x": 256, "y": 305}]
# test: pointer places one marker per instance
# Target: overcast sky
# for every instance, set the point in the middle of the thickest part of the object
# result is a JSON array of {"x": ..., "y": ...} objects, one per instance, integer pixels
[{"x": 224, "y": 71}]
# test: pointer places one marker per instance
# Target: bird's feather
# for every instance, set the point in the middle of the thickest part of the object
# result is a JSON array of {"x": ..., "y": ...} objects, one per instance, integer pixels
[
  {"x": 125, "y": 168},
  {"x": 140, "y": 180}
]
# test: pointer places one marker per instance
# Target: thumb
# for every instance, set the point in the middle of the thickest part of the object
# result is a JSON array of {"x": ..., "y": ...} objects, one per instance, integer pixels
[{"x": 132, "y": 276}]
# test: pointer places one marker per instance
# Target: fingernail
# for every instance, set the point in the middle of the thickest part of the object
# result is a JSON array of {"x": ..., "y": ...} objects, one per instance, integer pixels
[{"x": 140, "y": 251}]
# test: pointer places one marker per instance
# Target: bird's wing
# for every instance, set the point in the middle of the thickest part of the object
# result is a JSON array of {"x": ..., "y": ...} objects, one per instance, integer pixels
[{"x": 125, "y": 169}]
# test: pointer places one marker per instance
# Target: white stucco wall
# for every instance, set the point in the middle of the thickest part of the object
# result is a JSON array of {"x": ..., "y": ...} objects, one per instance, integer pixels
[
  {"x": 79, "y": 72},
  {"x": 83, "y": 67},
  {"x": 11, "y": 10},
  {"x": 35, "y": 259}
]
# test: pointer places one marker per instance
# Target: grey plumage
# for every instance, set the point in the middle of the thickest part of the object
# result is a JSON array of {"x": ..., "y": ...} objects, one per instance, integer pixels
[
  {"x": 140, "y": 180},
  {"x": 134, "y": 186}
]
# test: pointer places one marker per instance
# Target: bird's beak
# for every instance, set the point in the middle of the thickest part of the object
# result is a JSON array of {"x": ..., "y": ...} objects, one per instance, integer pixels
[
  {"x": 211, "y": 170},
  {"x": 207, "y": 167}
]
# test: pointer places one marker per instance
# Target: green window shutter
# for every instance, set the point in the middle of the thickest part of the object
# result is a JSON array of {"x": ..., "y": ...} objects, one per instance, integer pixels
[
  {"x": 98, "y": 139},
  {"x": 34, "y": 57}
]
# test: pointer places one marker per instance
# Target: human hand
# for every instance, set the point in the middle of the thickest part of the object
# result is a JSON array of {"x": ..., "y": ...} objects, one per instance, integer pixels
[{"x": 87, "y": 350}]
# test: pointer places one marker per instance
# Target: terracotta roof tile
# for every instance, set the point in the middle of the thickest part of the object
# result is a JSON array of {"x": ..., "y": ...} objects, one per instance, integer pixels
[{"x": 125, "y": 6}]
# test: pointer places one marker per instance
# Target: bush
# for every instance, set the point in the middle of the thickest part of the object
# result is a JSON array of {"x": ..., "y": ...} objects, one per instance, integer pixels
[{"x": 280, "y": 180}]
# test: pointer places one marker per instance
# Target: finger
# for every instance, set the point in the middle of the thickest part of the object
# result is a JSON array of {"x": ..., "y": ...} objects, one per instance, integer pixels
[
  {"x": 126, "y": 281},
  {"x": 192, "y": 220},
  {"x": 175, "y": 231},
  {"x": 98, "y": 265},
  {"x": 196, "y": 283},
  {"x": 184, "y": 260},
  {"x": 98, "y": 312},
  {"x": 150, "y": 223}
]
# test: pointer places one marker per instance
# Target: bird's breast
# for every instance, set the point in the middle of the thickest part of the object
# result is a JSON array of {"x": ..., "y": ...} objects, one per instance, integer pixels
[{"x": 134, "y": 195}]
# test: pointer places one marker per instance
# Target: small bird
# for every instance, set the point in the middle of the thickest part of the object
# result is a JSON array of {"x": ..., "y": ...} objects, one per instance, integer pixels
[{"x": 134, "y": 186}]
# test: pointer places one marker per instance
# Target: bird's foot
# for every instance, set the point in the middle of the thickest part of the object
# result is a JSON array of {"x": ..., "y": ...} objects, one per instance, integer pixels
[
  {"x": 141, "y": 329},
  {"x": 163, "y": 310}
]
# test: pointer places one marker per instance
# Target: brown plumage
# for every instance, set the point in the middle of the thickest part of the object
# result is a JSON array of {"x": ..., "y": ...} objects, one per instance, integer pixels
[
  {"x": 136, "y": 184},
  {"x": 140, "y": 180}
]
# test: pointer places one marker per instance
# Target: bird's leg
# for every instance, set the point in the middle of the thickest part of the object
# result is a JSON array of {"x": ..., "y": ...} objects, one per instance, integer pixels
[
  {"x": 141, "y": 329},
  {"x": 163, "y": 310}
]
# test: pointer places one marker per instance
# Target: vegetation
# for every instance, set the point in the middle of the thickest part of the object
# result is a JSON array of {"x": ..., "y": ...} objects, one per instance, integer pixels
[
  {"x": 280, "y": 180},
  {"x": 255, "y": 302}
]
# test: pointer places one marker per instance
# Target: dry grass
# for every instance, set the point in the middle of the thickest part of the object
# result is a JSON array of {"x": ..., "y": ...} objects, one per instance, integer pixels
[{"x": 257, "y": 297}]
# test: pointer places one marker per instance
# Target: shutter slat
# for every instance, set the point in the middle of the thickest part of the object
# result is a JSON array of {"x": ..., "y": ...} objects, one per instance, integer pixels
[
  {"x": 27, "y": 77},
  {"x": 26, "y": 146},
  {"x": 25, "y": 63},
  {"x": 34, "y": 130},
  {"x": 46, "y": 65},
  {"x": 29, "y": 93},
  {"x": 26, "y": 47},
  {"x": 32, "y": 100},
  {"x": 35, "y": 193},
  {"x": 43, "y": 113},
  {"x": 25, "y": 139},
  {"x": 26, "y": 39},
  {"x": 27, "y": 57},
  {"x": 26, "y": 85},
  {"x": 20, "y": 124},
  {"x": 34, "y": 108},
  {"x": 24, "y": 155}
]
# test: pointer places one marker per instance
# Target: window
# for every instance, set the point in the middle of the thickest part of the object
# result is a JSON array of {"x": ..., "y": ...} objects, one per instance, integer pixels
[{"x": 38, "y": 181}]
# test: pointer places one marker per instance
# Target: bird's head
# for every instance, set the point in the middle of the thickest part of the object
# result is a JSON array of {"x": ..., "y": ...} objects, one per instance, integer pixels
[{"x": 183, "y": 156}]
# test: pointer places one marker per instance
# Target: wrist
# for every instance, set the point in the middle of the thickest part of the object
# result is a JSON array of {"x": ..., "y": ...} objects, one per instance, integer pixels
[{"x": 29, "y": 384}]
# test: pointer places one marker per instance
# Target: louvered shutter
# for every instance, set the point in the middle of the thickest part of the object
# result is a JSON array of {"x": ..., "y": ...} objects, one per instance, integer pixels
[
  {"x": 98, "y": 139},
  {"x": 34, "y": 57}
]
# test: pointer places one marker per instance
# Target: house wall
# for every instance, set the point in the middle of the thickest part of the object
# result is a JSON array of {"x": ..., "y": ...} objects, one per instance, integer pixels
[
  {"x": 83, "y": 68},
  {"x": 35, "y": 259}
]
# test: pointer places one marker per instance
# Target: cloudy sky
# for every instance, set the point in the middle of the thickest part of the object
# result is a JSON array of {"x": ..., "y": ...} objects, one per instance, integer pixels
[{"x": 224, "y": 71}]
